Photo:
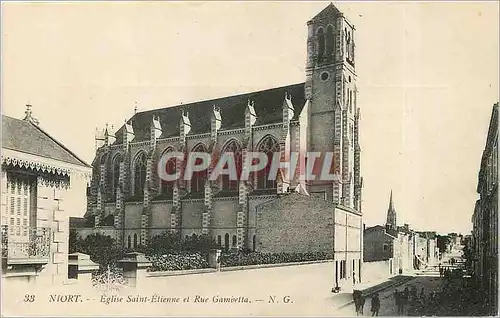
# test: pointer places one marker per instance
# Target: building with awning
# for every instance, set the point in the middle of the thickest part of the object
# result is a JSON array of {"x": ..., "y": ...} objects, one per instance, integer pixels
[{"x": 43, "y": 184}]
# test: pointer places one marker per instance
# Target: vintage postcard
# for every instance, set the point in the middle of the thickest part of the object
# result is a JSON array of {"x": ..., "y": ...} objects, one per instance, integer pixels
[{"x": 229, "y": 158}]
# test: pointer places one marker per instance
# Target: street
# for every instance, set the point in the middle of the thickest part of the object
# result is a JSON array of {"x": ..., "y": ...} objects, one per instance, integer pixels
[
  {"x": 279, "y": 291},
  {"x": 387, "y": 302},
  {"x": 452, "y": 295}
]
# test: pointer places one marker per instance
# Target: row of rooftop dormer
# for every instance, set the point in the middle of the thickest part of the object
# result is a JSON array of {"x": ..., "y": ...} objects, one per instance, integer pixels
[{"x": 247, "y": 110}]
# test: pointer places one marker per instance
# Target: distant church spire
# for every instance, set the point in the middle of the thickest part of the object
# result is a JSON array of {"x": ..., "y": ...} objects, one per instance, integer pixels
[{"x": 391, "y": 215}]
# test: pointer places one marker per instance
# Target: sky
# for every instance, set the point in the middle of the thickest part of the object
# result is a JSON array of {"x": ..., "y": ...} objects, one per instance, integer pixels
[{"x": 427, "y": 80}]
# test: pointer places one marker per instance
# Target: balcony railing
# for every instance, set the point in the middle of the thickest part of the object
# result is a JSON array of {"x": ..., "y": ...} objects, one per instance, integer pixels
[{"x": 25, "y": 245}]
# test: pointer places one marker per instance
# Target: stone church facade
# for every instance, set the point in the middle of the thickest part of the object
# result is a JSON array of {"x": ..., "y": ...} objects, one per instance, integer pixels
[{"x": 318, "y": 115}]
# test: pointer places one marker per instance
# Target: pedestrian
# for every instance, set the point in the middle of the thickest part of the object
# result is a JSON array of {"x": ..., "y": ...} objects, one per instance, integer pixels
[
  {"x": 356, "y": 295},
  {"x": 404, "y": 298},
  {"x": 353, "y": 278},
  {"x": 422, "y": 295},
  {"x": 397, "y": 298},
  {"x": 361, "y": 305},
  {"x": 375, "y": 304}
]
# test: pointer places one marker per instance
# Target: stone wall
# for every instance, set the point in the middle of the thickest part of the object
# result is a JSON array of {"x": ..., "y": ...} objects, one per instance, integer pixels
[
  {"x": 53, "y": 212},
  {"x": 377, "y": 270},
  {"x": 294, "y": 223}
]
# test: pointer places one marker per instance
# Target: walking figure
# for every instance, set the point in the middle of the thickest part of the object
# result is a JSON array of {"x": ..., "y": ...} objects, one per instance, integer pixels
[
  {"x": 404, "y": 299},
  {"x": 356, "y": 295},
  {"x": 398, "y": 300},
  {"x": 361, "y": 305},
  {"x": 375, "y": 305},
  {"x": 353, "y": 278}
]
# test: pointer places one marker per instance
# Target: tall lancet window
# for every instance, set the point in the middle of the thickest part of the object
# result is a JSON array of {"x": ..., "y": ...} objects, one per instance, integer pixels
[
  {"x": 268, "y": 145},
  {"x": 139, "y": 174},
  {"x": 116, "y": 174},
  {"x": 167, "y": 187},
  {"x": 329, "y": 43},
  {"x": 234, "y": 148},
  {"x": 199, "y": 177},
  {"x": 321, "y": 44}
]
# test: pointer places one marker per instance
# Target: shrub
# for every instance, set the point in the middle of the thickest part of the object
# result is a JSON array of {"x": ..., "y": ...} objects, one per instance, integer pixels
[
  {"x": 109, "y": 278},
  {"x": 180, "y": 261},
  {"x": 171, "y": 243},
  {"x": 102, "y": 249},
  {"x": 257, "y": 258}
]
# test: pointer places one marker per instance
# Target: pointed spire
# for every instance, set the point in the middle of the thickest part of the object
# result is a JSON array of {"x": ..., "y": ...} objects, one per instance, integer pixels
[
  {"x": 391, "y": 215},
  {"x": 391, "y": 207},
  {"x": 328, "y": 12}
]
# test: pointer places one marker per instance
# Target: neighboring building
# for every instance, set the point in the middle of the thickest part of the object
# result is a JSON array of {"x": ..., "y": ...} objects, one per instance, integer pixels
[
  {"x": 392, "y": 242},
  {"x": 43, "y": 184},
  {"x": 426, "y": 251},
  {"x": 378, "y": 245},
  {"x": 299, "y": 223},
  {"x": 485, "y": 218},
  {"x": 318, "y": 115},
  {"x": 404, "y": 253},
  {"x": 421, "y": 251}
]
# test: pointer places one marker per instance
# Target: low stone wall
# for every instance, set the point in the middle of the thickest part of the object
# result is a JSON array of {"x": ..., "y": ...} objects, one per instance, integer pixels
[
  {"x": 237, "y": 268},
  {"x": 178, "y": 273}
]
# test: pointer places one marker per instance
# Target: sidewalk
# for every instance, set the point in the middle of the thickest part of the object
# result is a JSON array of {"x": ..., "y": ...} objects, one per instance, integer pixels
[{"x": 344, "y": 298}]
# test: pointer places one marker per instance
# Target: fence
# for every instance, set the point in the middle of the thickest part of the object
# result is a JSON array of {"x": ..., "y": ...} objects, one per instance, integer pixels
[{"x": 25, "y": 244}]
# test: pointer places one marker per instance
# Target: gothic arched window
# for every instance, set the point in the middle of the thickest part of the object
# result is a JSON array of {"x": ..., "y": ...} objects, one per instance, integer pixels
[
  {"x": 232, "y": 147},
  {"x": 167, "y": 187},
  {"x": 268, "y": 145},
  {"x": 116, "y": 174},
  {"x": 219, "y": 240},
  {"x": 234, "y": 240},
  {"x": 321, "y": 44},
  {"x": 135, "y": 240},
  {"x": 139, "y": 174},
  {"x": 199, "y": 177},
  {"x": 129, "y": 242},
  {"x": 329, "y": 42},
  {"x": 226, "y": 241}
]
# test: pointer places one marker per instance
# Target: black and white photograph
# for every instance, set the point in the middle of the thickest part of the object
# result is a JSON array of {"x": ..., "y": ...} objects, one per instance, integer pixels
[{"x": 249, "y": 158}]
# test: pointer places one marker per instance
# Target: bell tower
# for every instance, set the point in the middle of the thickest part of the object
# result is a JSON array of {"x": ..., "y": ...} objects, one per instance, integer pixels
[{"x": 331, "y": 90}]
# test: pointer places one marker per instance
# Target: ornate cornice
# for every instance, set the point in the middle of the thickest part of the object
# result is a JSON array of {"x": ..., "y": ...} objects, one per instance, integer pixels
[
  {"x": 231, "y": 132},
  {"x": 37, "y": 166},
  {"x": 42, "y": 164},
  {"x": 198, "y": 136},
  {"x": 266, "y": 127}
]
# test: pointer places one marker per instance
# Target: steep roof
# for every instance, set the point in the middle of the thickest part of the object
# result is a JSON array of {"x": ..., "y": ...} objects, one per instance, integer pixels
[
  {"x": 267, "y": 103},
  {"x": 27, "y": 137},
  {"x": 378, "y": 228},
  {"x": 327, "y": 12}
]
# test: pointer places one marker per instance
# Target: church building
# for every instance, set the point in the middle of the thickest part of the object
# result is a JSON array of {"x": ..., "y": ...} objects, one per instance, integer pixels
[{"x": 317, "y": 115}]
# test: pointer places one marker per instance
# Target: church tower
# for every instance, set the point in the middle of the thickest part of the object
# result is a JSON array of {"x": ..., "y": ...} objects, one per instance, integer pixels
[
  {"x": 391, "y": 216},
  {"x": 333, "y": 114}
]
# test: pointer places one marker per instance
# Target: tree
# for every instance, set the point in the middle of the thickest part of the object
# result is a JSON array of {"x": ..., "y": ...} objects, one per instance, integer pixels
[
  {"x": 442, "y": 242},
  {"x": 102, "y": 249}
]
